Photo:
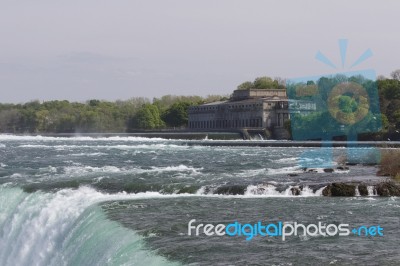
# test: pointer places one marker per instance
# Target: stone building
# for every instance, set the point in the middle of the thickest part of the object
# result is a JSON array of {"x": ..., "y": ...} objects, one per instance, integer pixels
[{"x": 246, "y": 109}]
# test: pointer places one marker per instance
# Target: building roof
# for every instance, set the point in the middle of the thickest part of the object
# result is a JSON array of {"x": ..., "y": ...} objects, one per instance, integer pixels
[
  {"x": 269, "y": 99},
  {"x": 215, "y": 103}
]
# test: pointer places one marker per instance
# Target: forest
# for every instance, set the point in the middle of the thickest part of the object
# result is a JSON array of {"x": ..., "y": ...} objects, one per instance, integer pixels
[
  {"x": 97, "y": 116},
  {"x": 170, "y": 111}
]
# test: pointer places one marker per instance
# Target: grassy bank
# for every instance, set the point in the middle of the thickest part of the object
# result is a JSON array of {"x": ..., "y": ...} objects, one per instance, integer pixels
[{"x": 390, "y": 164}]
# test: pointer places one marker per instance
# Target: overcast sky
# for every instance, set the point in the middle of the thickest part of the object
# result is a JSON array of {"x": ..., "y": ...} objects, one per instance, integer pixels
[{"x": 118, "y": 49}]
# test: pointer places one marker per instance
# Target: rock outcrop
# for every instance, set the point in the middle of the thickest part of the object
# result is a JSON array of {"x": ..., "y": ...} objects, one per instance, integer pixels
[
  {"x": 383, "y": 189},
  {"x": 339, "y": 190},
  {"x": 363, "y": 189},
  {"x": 387, "y": 189}
]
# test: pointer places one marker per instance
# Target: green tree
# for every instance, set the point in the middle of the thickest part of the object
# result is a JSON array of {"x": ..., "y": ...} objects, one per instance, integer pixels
[
  {"x": 246, "y": 86},
  {"x": 385, "y": 122},
  {"x": 177, "y": 114},
  {"x": 148, "y": 117},
  {"x": 42, "y": 120},
  {"x": 9, "y": 119},
  {"x": 347, "y": 104},
  {"x": 265, "y": 83}
]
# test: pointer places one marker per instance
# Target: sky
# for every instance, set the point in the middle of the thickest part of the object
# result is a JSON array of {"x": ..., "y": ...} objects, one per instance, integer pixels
[{"x": 118, "y": 49}]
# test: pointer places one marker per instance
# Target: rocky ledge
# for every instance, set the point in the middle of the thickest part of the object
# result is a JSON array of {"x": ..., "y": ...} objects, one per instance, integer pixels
[{"x": 384, "y": 189}]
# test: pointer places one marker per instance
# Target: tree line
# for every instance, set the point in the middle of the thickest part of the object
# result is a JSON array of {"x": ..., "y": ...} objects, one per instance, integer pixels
[
  {"x": 99, "y": 116},
  {"x": 171, "y": 111}
]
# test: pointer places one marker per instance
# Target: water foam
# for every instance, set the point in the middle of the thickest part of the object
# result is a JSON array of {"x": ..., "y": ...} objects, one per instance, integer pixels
[
  {"x": 5, "y": 137},
  {"x": 80, "y": 170},
  {"x": 264, "y": 191},
  {"x": 284, "y": 170},
  {"x": 272, "y": 191},
  {"x": 66, "y": 228},
  {"x": 107, "y": 147},
  {"x": 88, "y": 154},
  {"x": 357, "y": 192},
  {"x": 287, "y": 160},
  {"x": 371, "y": 191}
]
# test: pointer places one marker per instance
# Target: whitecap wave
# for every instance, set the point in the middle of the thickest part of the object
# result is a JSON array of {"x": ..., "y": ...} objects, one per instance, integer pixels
[
  {"x": 287, "y": 160},
  {"x": 284, "y": 170},
  {"x": 80, "y": 170},
  {"x": 88, "y": 154},
  {"x": 5, "y": 137},
  {"x": 107, "y": 147}
]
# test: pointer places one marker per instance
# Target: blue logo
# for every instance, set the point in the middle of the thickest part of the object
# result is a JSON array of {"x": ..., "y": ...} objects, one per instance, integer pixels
[
  {"x": 339, "y": 105},
  {"x": 280, "y": 229}
]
